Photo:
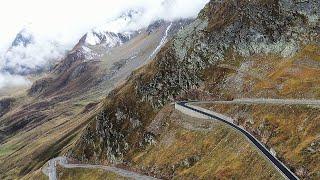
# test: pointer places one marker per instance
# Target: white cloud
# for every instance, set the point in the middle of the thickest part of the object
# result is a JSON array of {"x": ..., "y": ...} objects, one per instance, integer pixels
[
  {"x": 33, "y": 56},
  {"x": 66, "y": 20},
  {"x": 61, "y": 23},
  {"x": 8, "y": 80}
]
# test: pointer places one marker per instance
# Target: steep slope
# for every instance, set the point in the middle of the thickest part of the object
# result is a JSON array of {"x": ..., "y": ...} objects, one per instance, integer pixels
[
  {"x": 42, "y": 123},
  {"x": 290, "y": 131},
  {"x": 210, "y": 59}
]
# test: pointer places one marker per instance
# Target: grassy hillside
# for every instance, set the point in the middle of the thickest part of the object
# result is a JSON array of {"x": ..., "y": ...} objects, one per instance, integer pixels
[
  {"x": 292, "y": 131},
  {"x": 233, "y": 49},
  {"x": 84, "y": 174},
  {"x": 190, "y": 148}
]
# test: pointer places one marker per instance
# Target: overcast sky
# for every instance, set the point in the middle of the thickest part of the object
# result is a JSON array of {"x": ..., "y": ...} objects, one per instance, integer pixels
[
  {"x": 68, "y": 19},
  {"x": 65, "y": 21}
]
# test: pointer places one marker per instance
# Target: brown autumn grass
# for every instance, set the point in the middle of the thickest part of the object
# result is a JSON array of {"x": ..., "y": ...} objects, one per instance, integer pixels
[
  {"x": 292, "y": 131},
  {"x": 191, "y": 148},
  {"x": 85, "y": 174}
]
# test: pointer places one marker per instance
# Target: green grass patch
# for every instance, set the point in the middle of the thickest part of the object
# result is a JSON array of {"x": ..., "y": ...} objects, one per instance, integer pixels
[
  {"x": 6, "y": 150},
  {"x": 84, "y": 174}
]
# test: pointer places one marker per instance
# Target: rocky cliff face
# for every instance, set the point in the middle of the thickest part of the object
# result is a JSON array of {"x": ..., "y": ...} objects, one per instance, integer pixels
[
  {"x": 193, "y": 65},
  {"x": 245, "y": 28}
]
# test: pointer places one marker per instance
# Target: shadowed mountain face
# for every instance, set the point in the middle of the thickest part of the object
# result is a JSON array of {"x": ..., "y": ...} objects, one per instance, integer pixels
[
  {"x": 232, "y": 50},
  {"x": 45, "y": 120}
]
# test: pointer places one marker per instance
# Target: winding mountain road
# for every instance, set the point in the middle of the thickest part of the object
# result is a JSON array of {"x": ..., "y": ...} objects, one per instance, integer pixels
[
  {"x": 312, "y": 102},
  {"x": 195, "y": 111},
  {"x": 199, "y": 112},
  {"x": 51, "y": 170}
]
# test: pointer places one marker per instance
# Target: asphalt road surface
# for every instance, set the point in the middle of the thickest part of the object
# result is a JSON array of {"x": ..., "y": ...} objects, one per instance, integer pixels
[{"x": 286, "y": 172}]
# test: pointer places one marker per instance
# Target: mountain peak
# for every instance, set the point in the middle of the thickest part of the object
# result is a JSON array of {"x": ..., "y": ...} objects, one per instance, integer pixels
[{"x": 23, "y": 38}]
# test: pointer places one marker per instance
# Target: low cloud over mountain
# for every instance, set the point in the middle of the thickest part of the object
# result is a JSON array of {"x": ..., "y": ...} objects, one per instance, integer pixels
[{"x": 66, "y": 21}]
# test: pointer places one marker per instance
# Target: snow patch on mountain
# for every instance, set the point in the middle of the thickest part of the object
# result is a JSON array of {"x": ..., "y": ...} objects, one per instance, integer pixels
[
  {"x": 92, "y": 39},
  {"x": 90, "y": 54},
  {"x": 111, "y": 34},
  {"x": 108, "y": 39},
  {"x": 162, "y": 42}
]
